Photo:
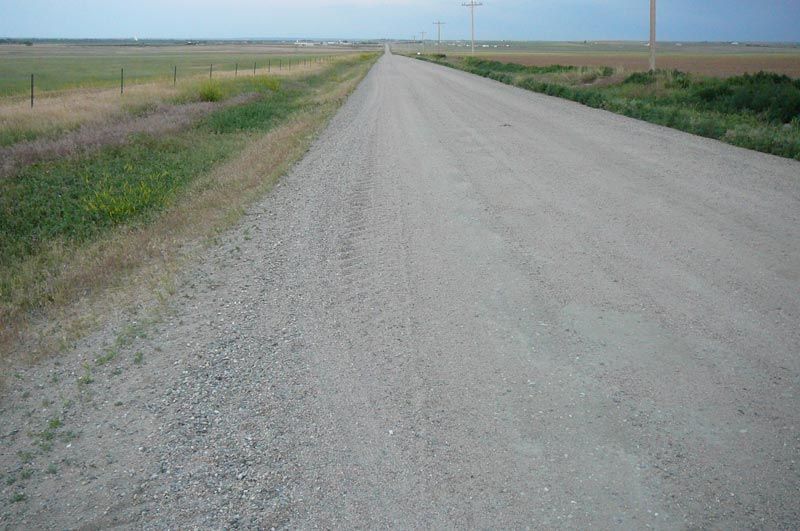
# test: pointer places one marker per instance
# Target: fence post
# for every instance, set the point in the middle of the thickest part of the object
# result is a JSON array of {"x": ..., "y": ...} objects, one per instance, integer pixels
[
  {"x": 175, "y": 75},
  {"x": 254, "y": 68},
  {"x": 31, "y": 91},
  {"x": 211, "y": 71},
  {"x": 122, "y": 81},
  {"x": 269, "y": 65},
  {"x": 236, "y": 71}
]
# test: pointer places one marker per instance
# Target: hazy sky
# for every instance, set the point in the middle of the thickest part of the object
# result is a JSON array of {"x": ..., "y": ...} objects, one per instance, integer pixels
[{"x": 683, "y": 20}]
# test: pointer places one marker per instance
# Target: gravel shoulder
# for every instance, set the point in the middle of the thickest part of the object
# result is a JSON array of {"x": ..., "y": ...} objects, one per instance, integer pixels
[{"x": 467, "y": 306}]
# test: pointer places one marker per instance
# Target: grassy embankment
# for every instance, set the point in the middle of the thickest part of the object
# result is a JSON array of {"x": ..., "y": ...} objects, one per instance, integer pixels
[
  {"x": 118, "y": 216},
  {"x": 760, "y": 111}
]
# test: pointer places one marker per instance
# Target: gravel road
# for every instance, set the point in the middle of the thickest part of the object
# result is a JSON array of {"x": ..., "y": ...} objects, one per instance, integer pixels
[{"x": 467, "y": 306}]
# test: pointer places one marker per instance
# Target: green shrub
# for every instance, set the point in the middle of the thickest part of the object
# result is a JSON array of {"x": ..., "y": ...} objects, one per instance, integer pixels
[
  {"x": 606, "y": 71},
  {"x": 210, "y": 91},
  {"x": 640, "y": 78},
  {"x": 776, "y": 97}
]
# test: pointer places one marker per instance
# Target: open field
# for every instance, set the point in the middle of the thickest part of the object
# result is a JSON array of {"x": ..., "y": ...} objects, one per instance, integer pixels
[
  {"x": 720, "y": 60},
  {"x": 60, "y": 66}
]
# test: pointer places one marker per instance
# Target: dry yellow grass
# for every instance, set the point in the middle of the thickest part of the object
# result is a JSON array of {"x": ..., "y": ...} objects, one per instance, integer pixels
[
  {"x": 58, "y": 111},
  {"x": 69, "y": 109},
  {"x": 135, "y": 267}
]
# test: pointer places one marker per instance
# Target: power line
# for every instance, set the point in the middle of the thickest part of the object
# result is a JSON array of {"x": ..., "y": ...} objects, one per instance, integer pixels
[
  {"x": 472, "y": 5},
  {"x": 439, "y": 25}
]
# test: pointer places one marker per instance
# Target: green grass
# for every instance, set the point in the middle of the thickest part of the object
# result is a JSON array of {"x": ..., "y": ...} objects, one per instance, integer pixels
[
  {"x": 65, "y": 67},
  {"x": 87, "y": 378},
  {"x": 77, "y": 199},
  {"x": 105, "y": 358},
  {"x": 12, "y": 136},
  {"x": 760, "y": 111}
]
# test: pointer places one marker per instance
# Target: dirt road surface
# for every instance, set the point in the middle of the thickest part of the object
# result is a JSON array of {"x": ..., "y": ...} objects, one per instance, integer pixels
[{"x": 468, "y": 306}]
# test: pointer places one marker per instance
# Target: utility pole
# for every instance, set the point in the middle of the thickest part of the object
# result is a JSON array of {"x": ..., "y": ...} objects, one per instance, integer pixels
[
  {"x": 423, "y": 43},
  {"x": 652, "y": 35},
  {"x": 439, "y": 25},
  {"x": 472, "y": 5}
]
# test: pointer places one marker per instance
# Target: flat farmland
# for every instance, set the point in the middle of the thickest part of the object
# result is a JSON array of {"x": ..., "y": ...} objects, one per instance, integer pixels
[
  {"x": 64, "y": 66},
  {"x": 720, "y": 60}
]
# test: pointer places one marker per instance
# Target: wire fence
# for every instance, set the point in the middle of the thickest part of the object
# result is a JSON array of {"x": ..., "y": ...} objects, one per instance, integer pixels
[{"x": 266, "y": 66}]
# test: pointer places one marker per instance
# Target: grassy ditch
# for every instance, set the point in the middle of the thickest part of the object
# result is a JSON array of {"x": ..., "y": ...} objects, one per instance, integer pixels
[
  {"x": 759, "y": 111},
  {"x": 70, "y": 228}
]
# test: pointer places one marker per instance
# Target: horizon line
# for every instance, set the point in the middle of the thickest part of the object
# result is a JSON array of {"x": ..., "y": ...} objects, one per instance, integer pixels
[{"x": 346, "y": 39}]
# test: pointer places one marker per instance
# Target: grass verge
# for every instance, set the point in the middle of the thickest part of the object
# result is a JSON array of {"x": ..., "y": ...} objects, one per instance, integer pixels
[
  {"x": 80, "y": 237},
  {"x": 760, "y": 111}
]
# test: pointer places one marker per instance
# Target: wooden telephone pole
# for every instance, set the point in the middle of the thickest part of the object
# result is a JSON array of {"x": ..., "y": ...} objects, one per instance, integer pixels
[
  {"x": 652, "y": 35},
  {"x": 472, "y": 5},
  {"x": 438, "y": 25}
]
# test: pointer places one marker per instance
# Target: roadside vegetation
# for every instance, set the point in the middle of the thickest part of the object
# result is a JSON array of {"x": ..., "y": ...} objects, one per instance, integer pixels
[
  {"x": 59, "y": 111},
  {"x": 100, "y": 213},
  {"x": 756, "y": 111}
]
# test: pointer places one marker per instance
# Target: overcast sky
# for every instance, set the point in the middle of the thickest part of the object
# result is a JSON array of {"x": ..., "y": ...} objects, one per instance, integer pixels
[{"x": 680, "y": 20}]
